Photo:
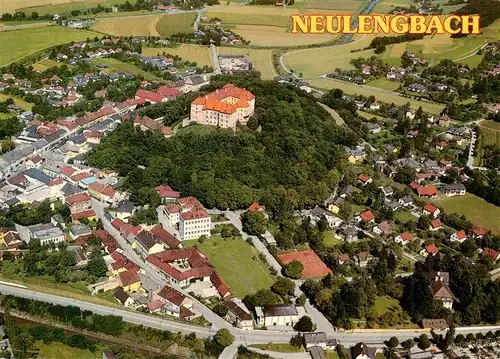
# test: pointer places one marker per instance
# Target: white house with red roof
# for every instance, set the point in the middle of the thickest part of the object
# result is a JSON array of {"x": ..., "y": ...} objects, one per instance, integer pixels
[
  {"x": 104, "y": 193},
  {"x": 404, "y": 238},
  {"x": 223, "y": 107},
  {"x": 366, "y": 216},
  {"x": 191, "y": 217},
  {"x": 430, "y": 250},
  {"x": 459, "y": 237},
  {"x": 173, "y": 301},
  {"x": 491, "y": 253},
  {"x": 364, "y": 179},
  {"x": 431, "y": 210},
  {"x": 477, "y": 232},
  {"x": 435, "y": 225},
  {"x": 166, "y": 192}
]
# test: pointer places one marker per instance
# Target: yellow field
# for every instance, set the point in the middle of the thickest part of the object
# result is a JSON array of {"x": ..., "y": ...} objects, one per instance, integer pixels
[
  {"x": 318, "y": 61},
  {"x": 277, "y": 36},
  {"x": 339, "y": 5},
  {"x": 261, "y": 59},
  {"x": 133, "y": 26},
  {"x": 195, "y": 53},
  {"x": 387, "y": 97},
  {"x": 175, "y": 23},
  {"x": 11, "y": 5},
  {"x": 397, "y": 50},
  {"x": 45, "y": 64}
]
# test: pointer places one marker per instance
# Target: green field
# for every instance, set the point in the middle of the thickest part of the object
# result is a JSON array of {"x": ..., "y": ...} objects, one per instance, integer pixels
[
  {"x": 382, "y": 304},
  {"x": 405, "y": 216},
  {"x": 46, "y": 64},
  {"x": 280, "y": 348},
  {"x": 67, "y": 6},
  {"x": 175, "y": 23},
  {"x": 21, "y": 103},
  {"x": 329, "y": 240},
  {"x": 114, "y": 66},
  {"x": 260, "y": 58},
  {"x": 489, "y": 134},
  {"x": 349, "y": 5},
  {"x": 62, "y": 351},
  {"x": 194, "y": 53},
  {"x": 18, "y": 44},
  {"x": 385, "y": 84},
  {"x": 350, "y": 88},
  {"x": 234, "y": 261},
  {"x": 476, "y": 209}
]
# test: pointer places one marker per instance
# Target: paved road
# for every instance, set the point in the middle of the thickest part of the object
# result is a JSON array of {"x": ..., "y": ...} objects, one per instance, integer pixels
[{"x": 215, "y": 60}]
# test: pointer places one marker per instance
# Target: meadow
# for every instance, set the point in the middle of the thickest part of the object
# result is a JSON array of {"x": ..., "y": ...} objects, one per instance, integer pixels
[
  {"x": 489, "y": 132},
  {"x": 238, "y": 264},
  {"x": 18, "y": 44},
  {"x": 45, "y": 64},
  {"x": 476, "y": 209},
  {"x": 21, "y": 103},
  {"x": 353, "y": 89},
  {"x": 194, "y": 53},
  {"x": 43, "y": 7},
  {"x": 60, "y": 350},
  {"x": 114, "y": 65},
  {"x": 339, "y": 5},
  {"x": 261, "y": 59},
  {"x": 129, "y": 26},
  {"x": 277, "y": 36},
  {"x": 175, "y": 23}
]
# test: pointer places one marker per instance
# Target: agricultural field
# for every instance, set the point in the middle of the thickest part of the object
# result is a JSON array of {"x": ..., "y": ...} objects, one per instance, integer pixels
[
  {"x": 114, "y": 65},
  {"x": 261, "y": 59},
  {"x": 384, "y": 84},
  {"x": 194, "y": 53},
  {"x": 476, "y": 209},
  {"x": 277, "y": 36},
  {"x": 489, "y": 133},
  {"x": 384, "y": 6},
  {"x": 129, "y": 26},
  {"x": 228, "y": 254},
  {"x": 175, "y": 23},
  {"x": 45, "y": 64},
  {"x": 21, "y": 103},
  {"x": 349, "y": 88},
  {"x": 18, "y": 44},
  {"x": 44, "y": 7}
]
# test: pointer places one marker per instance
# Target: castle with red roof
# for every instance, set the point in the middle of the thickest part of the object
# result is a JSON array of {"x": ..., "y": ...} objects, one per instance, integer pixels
[{"x": 224, "y": 107}]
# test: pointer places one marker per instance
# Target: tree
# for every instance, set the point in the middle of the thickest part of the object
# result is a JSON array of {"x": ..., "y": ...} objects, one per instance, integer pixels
[
  {"x": 224, "y": 337},
  {"x": 221, "y": 310},
  {"x": 424, "y": 222},
  {"x": 293, "y": 269},
  {"x": 423, "y": 342},
  {"x": 408, "y": 344},
  {"x": 254, "y": 223},
  {"x": 296, "y": 341},
  {"x": 34, "y": 15},
  {"x": 322, "y": 224},
  {"x": 283, "y": 286},
  {"x": 304, "y": 324},
  {"x": 96, "y": 265},
  {"x": 393, "y": 342}
]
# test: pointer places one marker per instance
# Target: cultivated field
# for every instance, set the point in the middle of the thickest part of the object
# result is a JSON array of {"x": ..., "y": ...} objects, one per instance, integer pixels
[
  {"x": 489, "y": 132},
  {"x": 261, "y": 59},
  {"x": 117, "y": 66},
  {"x": 237, "y": 263},
  {"x": 175, "y": 23},
  {"x": 327, "y": 83},
  {"x": 43, "y": 7},
  {"x": 15, "y": 45},
  {"x": 45, "y": 64},
  {"x": 21, "y": 103},
  {"x": 339, "y": 5},
  {"x": 385, "y": 84},
  {"x": 194, "y": 53},
  {"x": 476, "y": 209},
  {"x": 277, "y": 36},
  {"x": 129, "y": 26}
]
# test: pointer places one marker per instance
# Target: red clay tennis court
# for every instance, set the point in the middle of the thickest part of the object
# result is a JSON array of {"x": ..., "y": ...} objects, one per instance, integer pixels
[{"x": 314, "y": 267}]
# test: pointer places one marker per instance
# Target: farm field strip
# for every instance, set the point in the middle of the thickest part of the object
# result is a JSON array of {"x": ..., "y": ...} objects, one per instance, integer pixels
[
  {"x": 55, "y": 6},
  {"x": 277, "y": 36},
  {"x": 194, "y": 53}
]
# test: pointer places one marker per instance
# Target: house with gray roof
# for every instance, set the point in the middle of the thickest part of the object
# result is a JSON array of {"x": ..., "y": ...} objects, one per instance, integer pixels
[{"x": 279, "y": 315}]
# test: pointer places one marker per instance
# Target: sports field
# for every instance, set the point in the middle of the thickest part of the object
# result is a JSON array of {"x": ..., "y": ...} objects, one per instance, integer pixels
[
  {"x": 43, "y": 7},
  {"x": 175, "y": 23},
  {"x": 314, "y": 267},
  {"x": 350, "y": 88},
  {"x": 17, "y": 44},
  {"x": 261, "y": 59},
  {"x": 115, "y": 65},
  {"x": 234, "y": 261},
  {"x": 476, "y": 209},
  {"x": 194, "y": 53}
]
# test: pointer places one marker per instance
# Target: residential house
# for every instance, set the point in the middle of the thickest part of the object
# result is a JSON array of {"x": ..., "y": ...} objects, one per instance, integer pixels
[
  {"x": 123, "y": 297},
  {"x": 431, "y": 210},
  {"x": 477, "y": 232},
  {"x": 78, "y": 203},
  {"x": 317, "y": 339},
  {"x": 363, "y": 258},
  {"x": 166, "y": 192},
  {"x": 125, "y": 209},
  {"x": 382, "y": 229},
  {"x": 406, "y": 201},
  {"x": 435, "y": 225},
  {"x": 427, "y": 191},
  {"x": 173, "y": 301},
  {"x": 190, "y": 215},
  {"x": 459, "y": 237},
  {"x": 362, "y": 351},
  {"x": 373, "y": 128},
  {"x": 344, "y": 257},
  {"x": 439, "y": 283},
  {"x": 34, "y": 162},
  {"x": 146, "y": 243},
  {"x": 492, "y": 254},
  {"x": 316, "y": 213},
  {"x": 430, "y": 250},
  {"x": 404, "y": 238},
  {"x": 347, "y": 191},
  {"x": 103, "y": 193},
  {"x": 130, "y": 281},
  {"x": 454, "y": 189},
  {"x": 78, "y": 230},
  {"x": 387, "y": 191},
  {"x": 46, "y": 233},
  {"x": 364, "y": 179},
  {"x": 335, "y": 205},
  {"x": 278, "y": 315},
  {"x": 239, "y": 314},
  {"x": 348, "y": 233},
  {"x": 366, "y": 217}
]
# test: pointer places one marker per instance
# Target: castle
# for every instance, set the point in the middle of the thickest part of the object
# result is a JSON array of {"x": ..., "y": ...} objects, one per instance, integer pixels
[{"x": 224, "y": 107}]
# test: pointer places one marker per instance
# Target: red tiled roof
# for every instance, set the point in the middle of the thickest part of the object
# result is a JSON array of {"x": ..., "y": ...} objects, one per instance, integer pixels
[
  {"x": 461, "y": 235},
  {"x": 367, "y": 216},
  {"x": 478, "y": 231},
  {"x": 212, "y": 101},
  {"x": 219, "y": 284},
  {"x": 426, "y": 191},
  {"x": 165, "y": 237},
  {"x": 493, "y": 254},
  {"x": 414, "y": 185},
  {"x": 80, "y": 176},
  {"x": 105, "y": 190},
  {"x": 84, "y": 214},
  {"x": 77, "y": 198},
  {"x": 155, "y": 305},
  {"x": 128, "y": 277},
  {"x": 344, "y": 257},
  {"x": 436, "y": 223},
  {"x": 107, "y": 240},
  {"x": 56, "y": 181},
  {"x": 125, "y": 228},
  {"x": 167, "y": 191},
  {"x": 194, "y": 214},
  {"x": 363, "y": 177},
  {"x": 17, "y": 179},
  {"x": 429, "y": 207},
  {"x": 168, "y": 92},
  {"x": 172, "y": 295},
  {"x": 149, "y": 95},
  {"x": 68, "y": 171},
  {"x": 432, "y": 249},
  {"x": 255, "y": 206},
  {"x": 407, "y": 237}
]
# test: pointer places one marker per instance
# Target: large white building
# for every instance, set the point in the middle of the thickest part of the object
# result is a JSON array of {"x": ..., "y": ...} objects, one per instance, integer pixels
[
  {"x": 47, "y": 233},
  {"x": 224, "y": 107},
  {"x": 279, "y": 315},
  {"x": 190, "y": 216}
]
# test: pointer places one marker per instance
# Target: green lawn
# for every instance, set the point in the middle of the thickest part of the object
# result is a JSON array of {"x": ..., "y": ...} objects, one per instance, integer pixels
[
  {"x": 329, "y": 240},
  {"x": 18, "y": 44},
  {"x": 384, "y": 84},
  {"x": 382, "y": 304},
  {"x": 62, "y": 351},
  {"x": 68, "y": 6},
  {"x": 21, "y": 103},
  {"x": 281, "y": 348},
  {"x": 238, "y": 264},
  {"x": 175, "y": 23},
  {"x": 115, "y": 65},
  {"x": 476, "y": 209},
  {"x": 332, "y": 355},
  {"x": 353, "y": 89},
  {"x": 405, "y": 216}
]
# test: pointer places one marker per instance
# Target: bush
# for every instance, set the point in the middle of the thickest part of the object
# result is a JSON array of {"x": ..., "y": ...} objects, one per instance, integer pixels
[
  {"x": 304, "y": 324},
  {"x": 293, "y": 269}
]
